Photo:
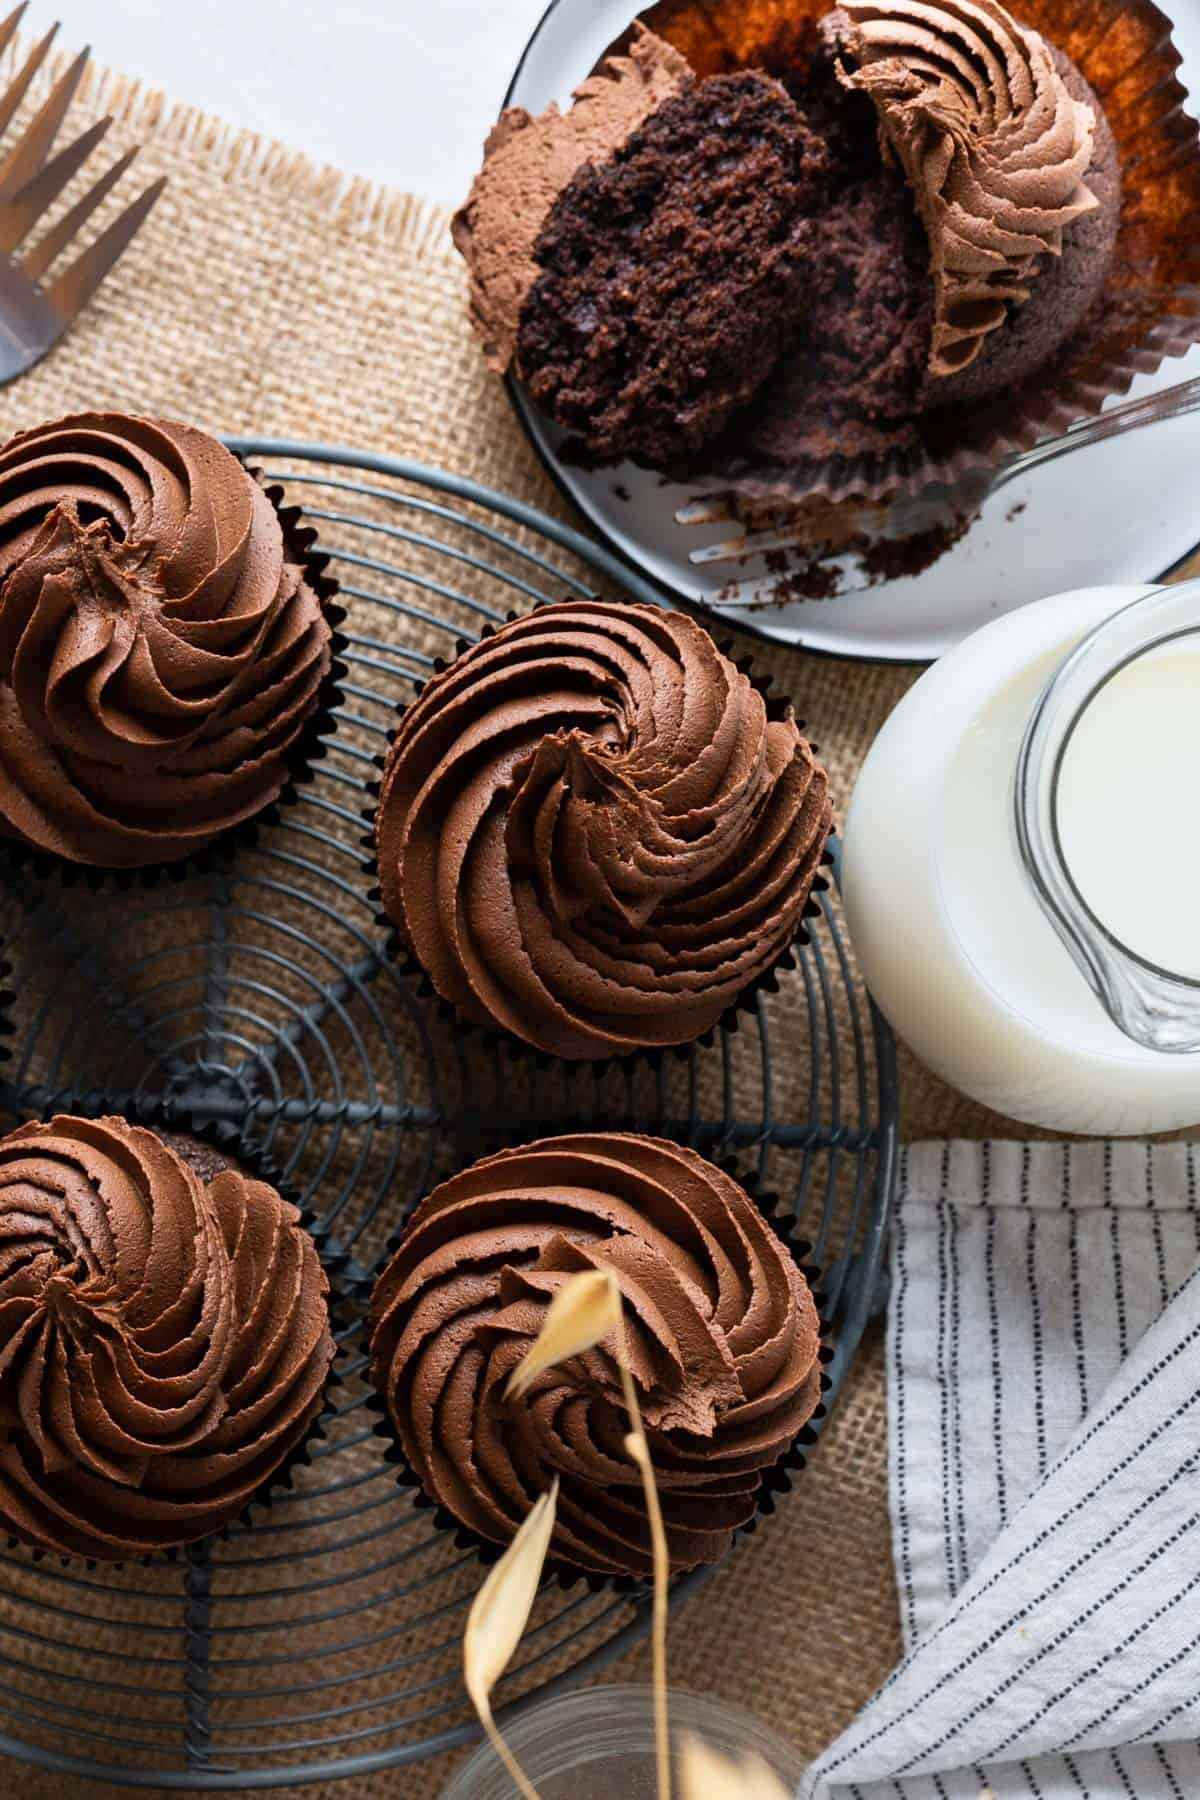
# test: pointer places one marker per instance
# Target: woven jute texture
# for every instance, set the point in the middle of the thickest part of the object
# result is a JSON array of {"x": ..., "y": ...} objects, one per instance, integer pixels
[{"x": 270, "y": 297}]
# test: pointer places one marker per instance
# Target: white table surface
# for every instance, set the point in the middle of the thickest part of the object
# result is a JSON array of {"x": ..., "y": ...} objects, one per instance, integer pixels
[{"x": 402, "y": 91}]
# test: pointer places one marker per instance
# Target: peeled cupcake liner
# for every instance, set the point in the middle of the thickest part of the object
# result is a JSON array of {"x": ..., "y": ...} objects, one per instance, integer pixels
[
  {"x": 1125, "y": 51},
  {"x": 251, "y": 1157},
  {"x": 301, "y": 545},
  {"x": 490, "y": 1037},
  {"x": 776, "y": 1479}
]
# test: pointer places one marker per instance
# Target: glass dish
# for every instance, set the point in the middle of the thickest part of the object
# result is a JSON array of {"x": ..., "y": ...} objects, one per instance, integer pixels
[{"x": 598, "y": 1743}]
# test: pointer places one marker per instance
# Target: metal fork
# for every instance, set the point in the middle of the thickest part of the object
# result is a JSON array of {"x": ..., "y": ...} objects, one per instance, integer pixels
[
  {"x": 766, "y": 530},
  {"x": 36, "y": 307}
]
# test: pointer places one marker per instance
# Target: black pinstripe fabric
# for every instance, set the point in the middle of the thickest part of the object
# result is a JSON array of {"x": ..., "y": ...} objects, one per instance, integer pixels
[{"x": 1045, "y": 1481}]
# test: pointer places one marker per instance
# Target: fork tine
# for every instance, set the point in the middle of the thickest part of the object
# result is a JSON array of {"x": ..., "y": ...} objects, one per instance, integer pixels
[
  {"x": 8, "y": 27},
  {"x": 744, "y": 544},
  {"x": 19, "y": 87},
  {"x": 20, "y": 215},
  {"x": 29, "y": 153},
  {"x": 36, "y": 261},
  {"x": 75, "y": 286},
  {"x": 705, "y": 509}
]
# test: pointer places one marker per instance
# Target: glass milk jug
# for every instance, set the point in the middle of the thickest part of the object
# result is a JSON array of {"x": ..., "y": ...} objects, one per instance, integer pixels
[{"x": 1021, "y": 864}]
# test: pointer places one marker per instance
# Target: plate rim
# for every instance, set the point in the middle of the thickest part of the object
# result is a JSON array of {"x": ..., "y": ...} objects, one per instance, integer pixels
[{"x": 522, "y": 408}]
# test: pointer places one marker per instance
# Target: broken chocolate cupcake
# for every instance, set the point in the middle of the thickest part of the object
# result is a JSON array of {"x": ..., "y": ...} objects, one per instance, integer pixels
[{"x": 911, "y": 206}]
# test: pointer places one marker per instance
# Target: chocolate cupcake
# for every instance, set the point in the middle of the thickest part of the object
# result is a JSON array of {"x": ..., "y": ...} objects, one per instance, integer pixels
[
  {"x": 165, "y": 1338},
  {"x": 722, "y": 1330},
  {"x": 986, "y": 248},
  {"x": 842, "y": 249},
  {"x": 594, "y": 833},
  {"x": 163, "y": 647}
]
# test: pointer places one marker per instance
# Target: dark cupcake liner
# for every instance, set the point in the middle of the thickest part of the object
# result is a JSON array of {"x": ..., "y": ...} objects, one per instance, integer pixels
[
  {"x": 776, "y": 1479},
  {"x": 8, "y": 1000},
  {"x": 1149, "y": 311},
  {"x": 253, "y": 1159},
  {"x": 397, "y": 951},
  {"x": 301, "y": 546}
]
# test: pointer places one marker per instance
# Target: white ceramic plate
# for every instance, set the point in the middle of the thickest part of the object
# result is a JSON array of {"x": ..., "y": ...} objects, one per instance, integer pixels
[{"x": 1119, "y": 512}]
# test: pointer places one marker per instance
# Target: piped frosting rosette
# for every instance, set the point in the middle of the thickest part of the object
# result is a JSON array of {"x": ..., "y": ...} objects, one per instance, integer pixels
[
  {"x": 722, "y": 1329},
  {"x": 593, "y": 832},
  {"x": 161, "y": 647},
  {"x": 164, "y": 1339},
  {"x": 994, "y": 147}
]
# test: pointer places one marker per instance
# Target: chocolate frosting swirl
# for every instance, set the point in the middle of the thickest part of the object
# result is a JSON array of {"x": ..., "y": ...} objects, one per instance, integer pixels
[
  {"x": 722, "y": 1330},
  {"x": 994, "y": 146},
  {"x": 164, "y": 1339},
  {"x": 160, "y": 652},
  {"x": 592, "y": 834}
]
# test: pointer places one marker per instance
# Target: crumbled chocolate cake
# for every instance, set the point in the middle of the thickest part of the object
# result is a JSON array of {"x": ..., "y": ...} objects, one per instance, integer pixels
[
  {"x": 819, "y": 571},
  {"x": 745, "y": 243},
  {"x": 851, "y": 382},
  {"x": 887, "y": 559},
  {"x": 675, "y": 274},
  {"x": 778, "y": 238},
  {"x": 813, "y": 578}
]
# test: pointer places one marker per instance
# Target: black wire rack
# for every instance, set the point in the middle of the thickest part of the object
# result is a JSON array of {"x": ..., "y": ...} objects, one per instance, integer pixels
[{"x": 320, "y": 1637}]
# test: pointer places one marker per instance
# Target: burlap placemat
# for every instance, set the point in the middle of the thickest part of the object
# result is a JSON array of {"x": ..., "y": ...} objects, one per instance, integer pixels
[{"x": 271, "y": 297}]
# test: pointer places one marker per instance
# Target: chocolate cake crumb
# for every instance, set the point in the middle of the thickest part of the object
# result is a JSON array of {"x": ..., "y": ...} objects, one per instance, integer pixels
[
  {"x": 818, "y": 571},
  {"x": 888, "y": 559},
  {"x": 813, "y": 580},
  {"x": 204, "y": 1159},
  {"x": 674, "y": 274}
]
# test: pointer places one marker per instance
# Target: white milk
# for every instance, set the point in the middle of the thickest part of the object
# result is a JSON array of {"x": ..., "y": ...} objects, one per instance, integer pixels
[
  {"x": 1129, "y": 806},
  {"x": 948, "y": 931}
]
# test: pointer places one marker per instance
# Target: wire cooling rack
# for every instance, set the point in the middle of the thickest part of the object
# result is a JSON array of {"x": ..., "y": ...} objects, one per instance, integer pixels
[{"x": 320, "y": 1637}]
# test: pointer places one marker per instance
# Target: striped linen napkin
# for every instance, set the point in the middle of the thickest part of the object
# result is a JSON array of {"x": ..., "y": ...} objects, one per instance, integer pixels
[{"x": 1044, "y": 1409}]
